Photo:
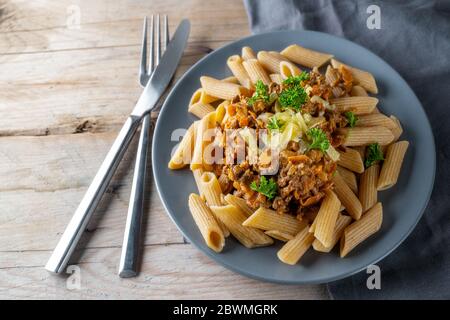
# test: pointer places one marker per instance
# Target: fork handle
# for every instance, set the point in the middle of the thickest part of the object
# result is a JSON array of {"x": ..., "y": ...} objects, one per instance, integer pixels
[
  {"x": 97, "y": 188},
  {"x": 130, "y": 248}
]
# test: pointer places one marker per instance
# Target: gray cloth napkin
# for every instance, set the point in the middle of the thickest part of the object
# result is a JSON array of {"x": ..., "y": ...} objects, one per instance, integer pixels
[{"x": 415, "y": 40}]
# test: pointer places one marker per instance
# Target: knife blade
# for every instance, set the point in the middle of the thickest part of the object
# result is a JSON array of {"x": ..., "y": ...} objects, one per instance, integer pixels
[{"x": 146, "y": 102}]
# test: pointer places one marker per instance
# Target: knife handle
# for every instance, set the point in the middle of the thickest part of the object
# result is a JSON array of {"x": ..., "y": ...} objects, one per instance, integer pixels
[
  {"x": 97, "y": 188},
  {"x": 130, "y": 248}
]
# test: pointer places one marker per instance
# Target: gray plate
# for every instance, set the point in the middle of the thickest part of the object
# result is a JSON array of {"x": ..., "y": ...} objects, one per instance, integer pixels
[{"x": 403, "y": 204}]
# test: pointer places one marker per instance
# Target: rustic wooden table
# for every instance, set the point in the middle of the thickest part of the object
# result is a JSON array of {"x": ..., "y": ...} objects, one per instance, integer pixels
[{"x": 68, "y": 78}]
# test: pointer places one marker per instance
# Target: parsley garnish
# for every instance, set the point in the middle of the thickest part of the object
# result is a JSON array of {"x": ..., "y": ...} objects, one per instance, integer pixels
[
  {"x": 373, "y": 154},
  {"x": 296, "y": 80},
  {"x": 319, "y": 139},
  {"x": 293, "y": 95},
  {"x": 266, "y": 187},
  {"x": 274, "y": 124},
  {"x": 261, "y": 93},
  {"x": 351, "y": 118}
]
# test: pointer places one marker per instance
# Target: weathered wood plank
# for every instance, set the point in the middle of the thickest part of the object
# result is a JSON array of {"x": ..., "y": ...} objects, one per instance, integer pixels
[
  {"x": 43, "y": 180},
  {"x": 168, "y": 272}
]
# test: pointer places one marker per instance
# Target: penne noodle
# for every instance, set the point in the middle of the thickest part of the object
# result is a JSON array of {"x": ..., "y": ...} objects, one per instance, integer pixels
[
  {"x": 231, "y": 79},
  {"x": 248, "y": 53},
  {"x": 358, "y": 105},
  {"x": 183, "y": 154},
  {"x": 376, "y": 119},
  {"x": 398, "y": 130},
  {"x": 360, "y": 230},
  {"x": 210, "y": 188},
  {"x": 200, "y": 96},
  {"x": 270, "y": 60},
  {"x": 239, "y": 203},
  {"x": 351, "y": 159},
  {"x": 341, "y": 223},
  {"x": 288, "y": 69},
  {"x": 347, "y": 197},
  {"x": 349, "y": 177},
  {"x": 255, "y": 71},
  {"x": 361, "y": 136},
  {"x": 197, "y": 175},
  {"x": 279, "y": 235},
  {"x": 220, "y": 113},
  {"x": 392, "y": 165},
  {"x": 232, "y": 217},
  {"x": 361, "y": 150},
  {"x": 267, "y": 219},
  {"x": 236, "y": 67},
  {"x": 221, "y": 89},
  {"x": 368, "y": 187},
  {"x": 331, "y": 76},
  {"x": 326, "y": 219},
  {"x": 306, "y": 57},
  {"x": 200, "y": 109},
  {"x": 276, "y": 77},
  {"x": 204, "y": 124},
  {"x": 206, "y": 222},
  {"x": 358, "y": 91},
  {"x": 294, "y": 249},
  {"x": 363, "y": 78}
]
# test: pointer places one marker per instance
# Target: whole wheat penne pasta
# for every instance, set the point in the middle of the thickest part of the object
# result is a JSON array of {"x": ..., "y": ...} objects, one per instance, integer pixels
[
  {"x": 247, "y": 53},
  {"x": 331, "y": 76},
  {"x": 235, "y": 64},
  {"x": 361, "y": 150},
  {"x": 294, "y": 249},
  {"x": 363, "y": 78},
  {"x": 351, "y": 159},
  {"x": 206, "y": 222},
  {"x": 392, "y": 164},
  {"x": 232, "y": 217},
  {"x": 341, "y": 223},
  {"x": 255, "y": 71},
  {"x": 361, "y": 136},
  {"x": 201, "y": 96},
  {"x": 239, "y": 203},
  {"x": 358, "y": 91},
  {"x": 306, "y": 57},
  {"x": 200, "y": 109},
  {"x": 358, "y": 105},
  {"x": 360, "y": 230},
  {"x": 349, "y": 178},
  {"x": 398, "y": 130},
  {"x": 221, "y": 89},
  {"x": 276, "y": 77},
  {"x": 347, "y": 197},
  {"x": 288, "y": 69},
  {"x": 270, "y": 60},
  {"x": 326, "y": 218},
  {"x": 376, "y": 119},
  {"x": 368, "y": 187},
  {"x": 267, "y": 219},
  {"x": 282, "y": 236},
  {"x": 197, "y": 176},
  {"x": 183, "y": 154}
]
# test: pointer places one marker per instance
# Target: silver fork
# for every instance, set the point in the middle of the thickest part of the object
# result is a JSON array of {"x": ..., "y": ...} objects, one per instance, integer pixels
[{"x": 131, "y": 241}]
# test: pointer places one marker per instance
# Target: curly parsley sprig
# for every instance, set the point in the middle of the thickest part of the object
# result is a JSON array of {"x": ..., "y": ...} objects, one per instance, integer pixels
[
  {"x": 294, "y": 95},
  {"x": 318, "y": 138},
  {"x": 351, "y": 118},
  {"x": 373, "y": 154},
  {"x": 269, "y": 188},
  {"x": 261, "y": 93}
]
